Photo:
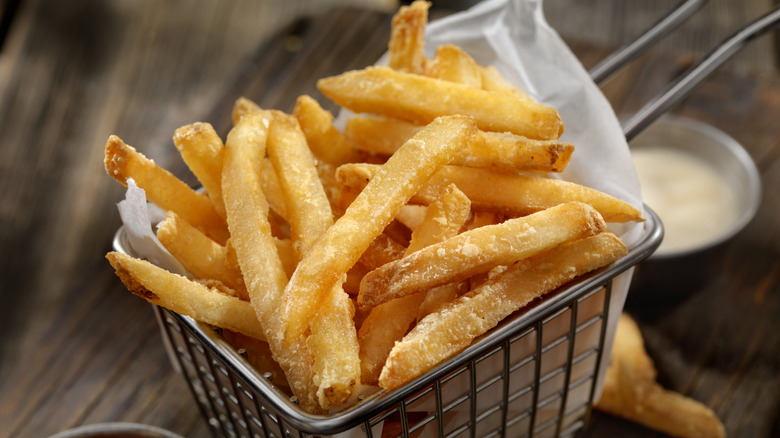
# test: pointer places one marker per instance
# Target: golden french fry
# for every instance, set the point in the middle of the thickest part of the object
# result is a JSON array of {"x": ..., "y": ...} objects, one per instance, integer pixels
[
  {"x": 202, "y": 149},
  {"x": 385, "y": 325},
  {"x": 494, "y": 150},
  {"x": 200, "y": 255},
  {"x": 373, "y": 209},
  {"x": 263, "y": 271},
  {"x": 308, "y": 208},
  {"x": 243, "y": 106},
  {"x": 443, "y": 219},
  {"x": 636, "y": 372},
  {"x": 272, "y": 189},
  {"x": 325, "y": 141},
  {"x": 333, "y": 340},
  {"x": 493, "y": 81},
  {"x": 438, "y": 297},
  {"x": 479, "y": 250},
  {"x": 390, "y": 321},
  {"x": 411, "y": 216},
  {"x": 453, "y": 64},
  {"x": 511, "y": 194},
  {"x": 407, "y": 38},
  {"x": 383, "y": 249},
  {"x": 334, "y": 346},
  {"x": 184, "y": 296},
  {"x": 440, "y": 335},
  {"x": 416, "y": 98},
  {"x": 122, "y": 161},
  {"x": 630, "y": 391}
]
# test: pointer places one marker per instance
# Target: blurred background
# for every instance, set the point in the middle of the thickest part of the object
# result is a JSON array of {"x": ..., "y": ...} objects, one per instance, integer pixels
[{"x": 76, "y": 348}]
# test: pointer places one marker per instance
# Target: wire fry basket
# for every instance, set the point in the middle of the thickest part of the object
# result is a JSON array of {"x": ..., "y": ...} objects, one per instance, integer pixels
[{"x": 533, "y": 375}]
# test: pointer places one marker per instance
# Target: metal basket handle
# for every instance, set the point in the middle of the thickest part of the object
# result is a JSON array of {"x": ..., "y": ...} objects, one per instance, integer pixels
[
  {"x": 693, "y": 76},
  {"x": 614, "y": 62}
]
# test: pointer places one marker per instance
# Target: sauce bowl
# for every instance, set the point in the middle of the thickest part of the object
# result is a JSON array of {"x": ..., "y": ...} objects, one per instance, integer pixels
[{"x": 735, "y": 196}]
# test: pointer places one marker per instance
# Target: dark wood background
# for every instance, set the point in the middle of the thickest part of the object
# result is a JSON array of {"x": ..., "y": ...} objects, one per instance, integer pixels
[{"x": 77, "y": 348}]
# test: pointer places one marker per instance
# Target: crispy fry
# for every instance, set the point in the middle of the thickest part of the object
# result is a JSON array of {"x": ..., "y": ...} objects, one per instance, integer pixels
[
  {"x": 630, "y": 391},
  {"x": 385, "y": 325},
  {"x": 635, "y": 371},
  {"x": 411, "y": 216},
  {"x": 203, "y": 257},
  {"x": 511, "y": 194},
  {"x": 333, "y": 339},
  {"x": 202, "y": 150},
  {"x": 479, "y": 250},
  {"x": 242, "y": 107},
  {"x": 264, "y": 275},
  {"x": 436, "y": 338},
  {"x": 451, "y": 63},
  {"x": 325, "y": 141},
  {"x": 500, "y": 151},
  {"x": 407, "y": 38},
  {"x": 443, "y": 219},
  {"x": 389, "y": 322},
  {"x": 184, "y": 296},
  {"x": 382, "y": 250},
  {"x": 308, "y": 208},
  {"x": 122, "y": 161},
  {"x": 334, "y": 346},
  {"x": 272, "y": 189},
  {"x": 493, "y": 81},
  {"x": 387, "y": 92},
  {"x": 378, "y": 203}
]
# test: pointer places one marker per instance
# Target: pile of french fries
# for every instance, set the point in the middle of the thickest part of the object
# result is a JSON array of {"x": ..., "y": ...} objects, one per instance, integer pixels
[{"x": 369, "y": 254}]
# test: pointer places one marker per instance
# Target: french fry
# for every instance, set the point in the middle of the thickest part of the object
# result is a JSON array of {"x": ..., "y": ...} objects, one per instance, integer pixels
[
  {"x": 308, "y": 208},
  {"x": 334, "y": 346},
  {"x": 510, "y": 194},
  {"x": 122, "y": 161},
  {"x": 630, "y": 391},
  {"x": 493, "y": 81},
  {"x": 325, "y": 141},
  {"x": 333, "y": 340},
  {"x": 376, "y": 206},
  {"x": 443, "y": 219},
  {"x": 184, "y": 296},
  {"x": 411, "y": 216},
  {"x": 635, "y": 371},
  {"x": 416, "y": 98},
  {"x": 501, "y": 151},
  {"x": 407, "y": 38},
  {"x": 453, "y": 64},
  {"x": 387, "y": 323},
  {"x": 264, "y": 274},
  {"x": 272, "y": 189},
  {"x": 241, "y": 107},
  {"x": 200, "y": 255},
  {"x": 202, "y": 149},
  {"x": 478, "y": 251},
  {"x": 442, "y": 334}
]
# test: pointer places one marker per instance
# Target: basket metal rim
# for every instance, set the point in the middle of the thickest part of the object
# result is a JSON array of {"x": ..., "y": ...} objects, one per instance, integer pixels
[{"x": 376, "y": 403}]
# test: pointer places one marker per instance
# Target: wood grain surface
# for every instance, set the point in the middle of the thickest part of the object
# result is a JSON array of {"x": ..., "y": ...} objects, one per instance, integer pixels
[{"x": 77, "y": 348}]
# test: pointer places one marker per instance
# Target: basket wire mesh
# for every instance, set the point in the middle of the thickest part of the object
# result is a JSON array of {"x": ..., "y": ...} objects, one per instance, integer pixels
[{"x": 533, "y": 375}]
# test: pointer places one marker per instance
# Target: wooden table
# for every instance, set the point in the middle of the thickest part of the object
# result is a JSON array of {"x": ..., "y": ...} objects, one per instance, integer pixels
[{"x": 77, "y": 348}]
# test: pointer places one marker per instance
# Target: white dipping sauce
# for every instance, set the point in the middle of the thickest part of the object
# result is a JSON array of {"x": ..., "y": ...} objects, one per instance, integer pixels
[{"x": 694, "y": 203}]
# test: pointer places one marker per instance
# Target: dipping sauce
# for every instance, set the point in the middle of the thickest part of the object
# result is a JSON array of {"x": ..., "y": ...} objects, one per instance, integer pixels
[{"x": 693, "y": 201}]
